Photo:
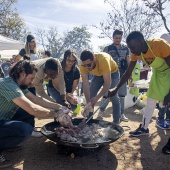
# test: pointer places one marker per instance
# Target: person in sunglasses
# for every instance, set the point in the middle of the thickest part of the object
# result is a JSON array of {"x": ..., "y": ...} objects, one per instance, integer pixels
[
  {"x": 105, "y": 73},
  {"x": 71, "y": 77}
]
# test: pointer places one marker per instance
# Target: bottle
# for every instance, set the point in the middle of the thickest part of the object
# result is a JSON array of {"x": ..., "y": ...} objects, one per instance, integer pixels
[{"x": 77, "y": 110}]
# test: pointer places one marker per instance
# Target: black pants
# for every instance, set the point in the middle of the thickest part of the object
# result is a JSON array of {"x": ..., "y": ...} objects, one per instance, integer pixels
[{"x": 21, "y": 114}]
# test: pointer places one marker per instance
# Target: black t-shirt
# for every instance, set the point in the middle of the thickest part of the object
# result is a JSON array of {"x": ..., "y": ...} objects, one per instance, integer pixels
[
  {"x": 69, "y": 78},
  {"x": 23, "y": 52},
  {"x": 33, "y": 56}
]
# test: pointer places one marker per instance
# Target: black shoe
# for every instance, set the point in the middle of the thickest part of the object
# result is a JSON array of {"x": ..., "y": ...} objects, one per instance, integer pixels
[
  {"x": 166, "y": 148},
  {"x": 140, "y": 131},
  {"x": 136, "y": 129},
  {"x": 4, "y": 163}
]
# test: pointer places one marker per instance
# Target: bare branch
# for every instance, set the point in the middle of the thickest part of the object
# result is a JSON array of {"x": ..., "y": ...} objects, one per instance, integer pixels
[
  {"x": 128, "y": 16},
  {"x": 157, "y": 8}
]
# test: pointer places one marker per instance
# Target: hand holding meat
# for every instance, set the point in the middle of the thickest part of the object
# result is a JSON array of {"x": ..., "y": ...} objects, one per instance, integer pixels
[
  {"x": 66, "y": 104},
  {"x": 65, "y": 120},
  {"x": 88, "y": 108},
  {"x": 64, "y": 117},
  {"x": 72, "y": 99}
]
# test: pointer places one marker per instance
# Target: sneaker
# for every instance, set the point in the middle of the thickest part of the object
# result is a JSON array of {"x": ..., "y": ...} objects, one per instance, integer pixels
[
  {"x": 4, "y": 163},
  {"x": 140, "y": 131},
  {"x": 124, "y": 118},
  {"x": 167, "y": 121},
  {"x": 36, "y": 133},
  {"x": 166, "y": 148},
  {"x": 100, "y": 114},
  {"x": 136, "y": 129},
  {"x": 162, "y": 124}
]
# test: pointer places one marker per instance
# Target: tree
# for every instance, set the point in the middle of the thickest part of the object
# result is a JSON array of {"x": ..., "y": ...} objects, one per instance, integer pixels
[
  {"x": 77, "y": 39},
  {"x": 40, "y": 34},
  {"x": 130, "y": 15},
  {"x": 55, "y": 43},
  {"x": 11, "y": 24},
  {"x": 157, "y": 7}
]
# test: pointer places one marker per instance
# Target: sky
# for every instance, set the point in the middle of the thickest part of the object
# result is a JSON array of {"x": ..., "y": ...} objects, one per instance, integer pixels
[{"x": 66, "y": 14}]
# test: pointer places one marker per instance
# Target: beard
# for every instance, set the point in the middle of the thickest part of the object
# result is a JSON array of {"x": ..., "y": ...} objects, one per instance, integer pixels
[
  {"x": 117, "y": 43},
  {"x": 23, "y": 87}
]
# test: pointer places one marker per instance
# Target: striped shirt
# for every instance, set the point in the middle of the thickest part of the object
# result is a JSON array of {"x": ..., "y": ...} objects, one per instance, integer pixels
[{"x": 9, "y": 90}]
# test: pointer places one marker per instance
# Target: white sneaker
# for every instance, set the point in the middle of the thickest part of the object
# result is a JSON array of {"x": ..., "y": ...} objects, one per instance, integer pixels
[
  {"x": 100, "y": 114},
  {"x": 124, "y": 118},
  {"x": 36, "y": 134}
]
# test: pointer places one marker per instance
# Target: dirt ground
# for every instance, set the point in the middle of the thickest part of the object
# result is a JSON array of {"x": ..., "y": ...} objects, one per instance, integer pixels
[{"x": 126, "y": 153}]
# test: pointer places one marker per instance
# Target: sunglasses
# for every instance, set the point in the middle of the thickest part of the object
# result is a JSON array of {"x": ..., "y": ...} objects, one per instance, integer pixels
[
  {"x": 71, "y": 61},
  {"x": 87, "y": 65}
]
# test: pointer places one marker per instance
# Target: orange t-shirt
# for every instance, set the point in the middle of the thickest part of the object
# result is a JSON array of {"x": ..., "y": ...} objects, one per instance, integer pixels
[{"x": 160, "y": 48}]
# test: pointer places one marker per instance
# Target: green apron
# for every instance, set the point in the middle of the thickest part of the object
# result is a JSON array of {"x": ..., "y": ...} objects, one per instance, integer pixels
[{"x": 160, "y": 81}]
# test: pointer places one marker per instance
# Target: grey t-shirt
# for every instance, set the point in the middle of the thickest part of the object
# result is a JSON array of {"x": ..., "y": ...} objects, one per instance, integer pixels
[{"x": 123, "y": 53}]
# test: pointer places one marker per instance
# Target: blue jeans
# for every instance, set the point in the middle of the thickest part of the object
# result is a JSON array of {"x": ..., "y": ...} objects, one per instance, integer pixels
[
  {"x": 106, "y": 102},
  {"x": 122, "y": 93},
  {"x": 22, "y": 115},
  {"x": 12, "y": 133},
  {"x": 162, "y": 112},
  {"x": 97, "y": 82},
  {"x": 57, "y": 97}
]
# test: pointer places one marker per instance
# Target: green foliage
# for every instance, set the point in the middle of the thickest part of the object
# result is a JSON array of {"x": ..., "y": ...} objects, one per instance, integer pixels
[
  {"x": 77, "y": 39},
  {"x": 11, "y": 24}
]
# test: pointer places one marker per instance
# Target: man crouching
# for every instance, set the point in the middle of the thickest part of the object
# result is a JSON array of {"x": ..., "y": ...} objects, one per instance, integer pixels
[{"x": 13, "y": 95}]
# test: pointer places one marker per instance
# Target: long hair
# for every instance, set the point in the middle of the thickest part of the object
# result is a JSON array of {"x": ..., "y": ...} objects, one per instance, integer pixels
[
  {"x": 67, "y": 54},
  {"x": 23, "y": 65},
  {"x": 27, "y": 48}
]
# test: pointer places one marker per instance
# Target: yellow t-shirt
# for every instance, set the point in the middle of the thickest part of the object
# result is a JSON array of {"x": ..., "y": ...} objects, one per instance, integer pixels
[
  {"x": 104, "y": 65},
  {"x": 159, "y": 47}
]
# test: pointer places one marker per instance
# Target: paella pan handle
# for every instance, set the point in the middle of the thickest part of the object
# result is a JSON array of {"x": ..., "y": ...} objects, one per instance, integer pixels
[
  {"x": 37, "y": 129},
  {"x": 89, "y": 146}
]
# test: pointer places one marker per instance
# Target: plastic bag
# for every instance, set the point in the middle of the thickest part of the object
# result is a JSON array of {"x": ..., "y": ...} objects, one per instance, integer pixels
[{"x": 72, "y": 99}]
